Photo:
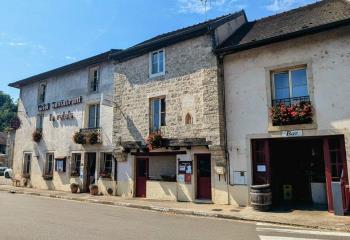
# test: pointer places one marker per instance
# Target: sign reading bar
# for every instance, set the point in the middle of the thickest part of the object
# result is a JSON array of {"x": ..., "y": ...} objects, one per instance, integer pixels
[
  {"x": 59, "y": 104},
  {"x": 294, "y": 133}
]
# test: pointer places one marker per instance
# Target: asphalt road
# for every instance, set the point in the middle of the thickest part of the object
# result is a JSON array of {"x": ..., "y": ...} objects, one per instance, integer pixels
[{"x": 30, "y": 217}]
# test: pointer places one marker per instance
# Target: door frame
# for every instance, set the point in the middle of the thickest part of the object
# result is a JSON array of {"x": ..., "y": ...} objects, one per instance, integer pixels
[
  {"x": 136, "y": 173},
  {"x": 197, "y": 175}
]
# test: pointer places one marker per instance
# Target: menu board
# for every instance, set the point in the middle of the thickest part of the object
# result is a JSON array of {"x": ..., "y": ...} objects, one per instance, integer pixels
[{"x": 185, "y": 171}]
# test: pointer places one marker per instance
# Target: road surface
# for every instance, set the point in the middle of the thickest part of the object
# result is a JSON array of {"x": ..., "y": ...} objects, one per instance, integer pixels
[{"x": 31, "y": 217}]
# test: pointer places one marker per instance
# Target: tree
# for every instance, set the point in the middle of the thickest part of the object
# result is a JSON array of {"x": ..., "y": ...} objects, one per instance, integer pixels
[{"x": 8, "y": 110}]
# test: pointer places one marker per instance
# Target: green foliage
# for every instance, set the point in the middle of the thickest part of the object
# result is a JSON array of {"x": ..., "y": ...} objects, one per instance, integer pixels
[{"x": 8, "y": 110}]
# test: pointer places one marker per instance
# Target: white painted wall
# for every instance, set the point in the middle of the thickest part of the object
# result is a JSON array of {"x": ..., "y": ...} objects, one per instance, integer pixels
[
  {"x": 247, "y": 90},
  {"x": 57, "y": 136}
]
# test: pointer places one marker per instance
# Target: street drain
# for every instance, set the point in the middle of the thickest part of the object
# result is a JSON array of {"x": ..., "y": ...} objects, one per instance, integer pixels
[{"x": 217, "y": 209}]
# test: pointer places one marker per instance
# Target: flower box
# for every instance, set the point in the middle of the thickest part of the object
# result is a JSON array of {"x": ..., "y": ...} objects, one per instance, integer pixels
[
  {"x": 37, "y": 135},
  {"x": 300, "y": 113},
  {"x": 155, "y": 140}
]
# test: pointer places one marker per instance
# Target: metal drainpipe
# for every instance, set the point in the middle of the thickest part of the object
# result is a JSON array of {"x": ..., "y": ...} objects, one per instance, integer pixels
[{"x": 228, "y": 176}]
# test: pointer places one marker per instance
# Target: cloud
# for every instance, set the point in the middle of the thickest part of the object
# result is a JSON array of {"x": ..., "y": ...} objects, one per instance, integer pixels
[
  {"x": 7, "y": 41},
  {"x": 70, "y": 58},
  {"x": 199, "y": 6},
  {"x": 284, "y": 5}
]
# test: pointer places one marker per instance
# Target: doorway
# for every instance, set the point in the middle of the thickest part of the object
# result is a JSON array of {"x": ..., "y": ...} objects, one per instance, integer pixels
[
  {"x": 203, "y": 176},
  {"x": 90, "y": 170},
  {"x": 141, "y": 176}
]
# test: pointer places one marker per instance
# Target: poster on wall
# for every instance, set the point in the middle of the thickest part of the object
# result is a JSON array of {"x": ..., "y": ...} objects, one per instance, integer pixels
[{"x": 181, "y": 178}]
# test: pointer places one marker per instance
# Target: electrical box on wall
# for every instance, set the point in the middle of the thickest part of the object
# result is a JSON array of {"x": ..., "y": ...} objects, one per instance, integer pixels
[{"x": 239, "y": 178}]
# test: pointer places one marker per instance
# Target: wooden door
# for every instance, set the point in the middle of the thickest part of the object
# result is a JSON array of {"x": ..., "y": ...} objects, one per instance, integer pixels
[
  {"x": 90, "y": 170},
  {"x": 203, "y": 176},
  {"x": 141, "y": 176},
  {"x": 336, "y": 169},
  {"x": 261, "y": 162}
]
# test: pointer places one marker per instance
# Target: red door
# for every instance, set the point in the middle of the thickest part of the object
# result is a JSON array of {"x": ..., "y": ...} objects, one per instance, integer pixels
[
  {"x": 261, "y": 162},
  {"x": 141, "y": 176},
  {"x": 203, "y": 176},
  {"x": 336, "y": 169}
]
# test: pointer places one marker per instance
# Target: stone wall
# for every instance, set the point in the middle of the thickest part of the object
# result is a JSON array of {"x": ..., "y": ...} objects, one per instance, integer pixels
[{"x": 190, "y": 85}]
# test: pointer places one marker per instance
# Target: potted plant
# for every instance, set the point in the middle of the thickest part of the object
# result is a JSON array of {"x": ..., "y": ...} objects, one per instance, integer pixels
[
  {"x": 155, "y": 140},
  {"x": 92, "y": 138},
  {"x": 93, "y": 189},
  {"x": 300, "y": 113},
  {"x": 74, "y": 188},
  {"x": 37, "y": 135},
  {"x": 79, "y": 138}
]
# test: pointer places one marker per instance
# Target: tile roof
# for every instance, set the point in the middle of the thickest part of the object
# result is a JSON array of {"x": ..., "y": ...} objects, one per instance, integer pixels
[
  {"x": 176, "y": 36},
  {"x": 311, "y": 18},
  {"x": 67, "y": 68}
]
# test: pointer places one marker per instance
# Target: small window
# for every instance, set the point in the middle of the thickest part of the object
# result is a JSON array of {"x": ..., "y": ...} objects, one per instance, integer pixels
[
  {"x": 49, "y": 164},
  {"x": 40, "y": 121},
  {"x": 158, "y": 113},
  {"x": 42, "y": 93},
  {"x": 27, "y": 164},
  {"x": 157, "y": 63},
  {"x": 106, "y": 165},
  {"x": 94, "y": 79},
  {"x": 290, "y": 86},
  {"x": 94, "y": 116},
  {"x": 188, "y": 119},
  {"x": 60, "y": 165},
  {"x": 75, "y": 165}
]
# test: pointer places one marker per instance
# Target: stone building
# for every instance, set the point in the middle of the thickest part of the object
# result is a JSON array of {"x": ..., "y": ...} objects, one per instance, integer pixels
[
  {"x": 169, "y": 89},
  {"x": 286, "y": 98},
  {"x": 66, "y": 119}
]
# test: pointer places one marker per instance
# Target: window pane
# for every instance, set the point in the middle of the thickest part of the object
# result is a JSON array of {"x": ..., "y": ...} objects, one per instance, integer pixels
[
  {"x": 92, "y": 114},
  {"x": 156, "y": 113},
  {"x": 97, "y": 119},
  {"x": 299, "y": 82},
  {"x": 281, "y": 81},
  {"x": 154, "y": 63},
  {"x": 161, "y": 61}
]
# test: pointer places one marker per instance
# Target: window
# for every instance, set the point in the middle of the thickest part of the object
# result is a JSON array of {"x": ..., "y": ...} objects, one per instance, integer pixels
[
  {"x": 40, "y": 121},
  {"x": 157, "y": 114},
  {"x": 106, "y": 165},
  {"x": 49, "y": 164},
  {"x": 157, "y": 63},
  {"x": 42, "y": 93},
  {"x": 75, "y": 164},
  {"x": 27, "y": 164},
  {"x": 94, "y": 116},
  {"x": 188, "y": 119},
  {"x": 60, "y": 165},
  {"x": 94, "y": 79},
  {"x": 290, "y": 84}
]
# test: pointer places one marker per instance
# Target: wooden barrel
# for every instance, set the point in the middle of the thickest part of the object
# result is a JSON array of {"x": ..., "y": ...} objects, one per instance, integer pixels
[{"x": 261, "y": 197}]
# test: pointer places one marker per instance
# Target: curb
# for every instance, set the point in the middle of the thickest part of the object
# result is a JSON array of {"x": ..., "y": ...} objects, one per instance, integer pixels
[{"x": 168, "y": 210}]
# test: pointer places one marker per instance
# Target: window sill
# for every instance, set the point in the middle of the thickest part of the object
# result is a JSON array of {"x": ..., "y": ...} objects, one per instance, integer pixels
[
  {"x": 156, "y": 75},
  {"x": 308, "y": 126}
]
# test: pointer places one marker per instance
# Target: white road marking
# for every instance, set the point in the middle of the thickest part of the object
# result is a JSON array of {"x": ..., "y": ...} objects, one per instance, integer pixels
[
  {"x": 302, "y": 231},
  {"x": 284, "y": 238},
  {"x": 262, "y": 224}
]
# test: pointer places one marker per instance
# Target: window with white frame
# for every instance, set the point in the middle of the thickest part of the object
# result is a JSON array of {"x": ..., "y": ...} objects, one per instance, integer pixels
[
  {"x": 157, "y": 63},
  {"x": 75, "y": 164},
  {"x": 94, "y": 116},
  {"x": 290, "y": 85},
  {"x": 48, "y": 171},
  {"x": 106, "y": 165},
  {"x": 40, "y": 121},
  {"x": 94, "y": 79},
  {"x": 27, "y": 164},
  {"x": 42, "y": 93},
  {"x": 158, "y": 112}
]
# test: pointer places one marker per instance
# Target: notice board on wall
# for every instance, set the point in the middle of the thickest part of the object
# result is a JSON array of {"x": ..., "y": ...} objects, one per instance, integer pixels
[{"x": 185, "y": 169}]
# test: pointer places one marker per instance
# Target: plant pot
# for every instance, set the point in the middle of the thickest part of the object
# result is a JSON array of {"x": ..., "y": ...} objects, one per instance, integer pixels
[
  {"x": 94, "y": 189},
  {"x": 74, "y": 188}
]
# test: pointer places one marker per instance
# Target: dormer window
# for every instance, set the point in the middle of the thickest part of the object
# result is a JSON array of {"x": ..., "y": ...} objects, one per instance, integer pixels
[
  {"x": 157, "y": 63},
  {"x": 42, "y": 93},
  {"x": 94, "y": 79}
]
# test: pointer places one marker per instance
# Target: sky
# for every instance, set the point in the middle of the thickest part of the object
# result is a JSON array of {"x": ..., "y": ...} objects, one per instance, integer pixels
[{"x": 40, "y": 35}]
